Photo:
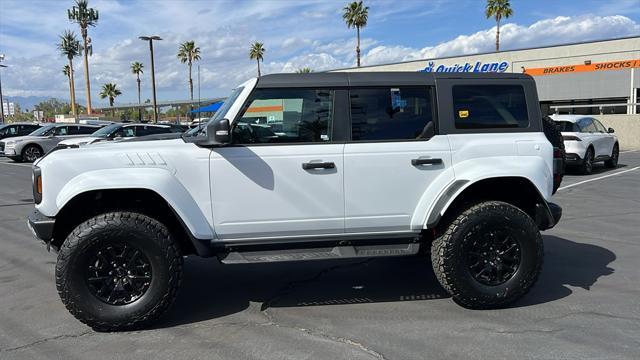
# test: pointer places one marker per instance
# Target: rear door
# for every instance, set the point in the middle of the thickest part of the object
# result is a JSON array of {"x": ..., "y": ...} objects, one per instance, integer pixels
[
  {"x": 604, "y": 140},
  {"x": 393, "y": 156}
]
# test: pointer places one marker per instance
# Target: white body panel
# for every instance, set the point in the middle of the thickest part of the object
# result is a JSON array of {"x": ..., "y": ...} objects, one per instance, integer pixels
[
  {"x": 263, "y": 191},
  {"x": 383, "y": 188}
]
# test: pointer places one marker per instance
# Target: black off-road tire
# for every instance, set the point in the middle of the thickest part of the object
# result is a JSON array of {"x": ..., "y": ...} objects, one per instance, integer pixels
[
  {"x": 450, "y": 253},
  {"x": 151, "y": 238},
  {"x": 586, "y": 167},
  {"x": 554, "y": 135},
  {"x": 613, "y": 160}
]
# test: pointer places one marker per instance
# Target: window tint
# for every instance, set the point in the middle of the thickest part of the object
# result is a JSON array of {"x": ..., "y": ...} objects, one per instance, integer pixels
[
  {"x": 11, "y": 130},
  {"x": 490, "y": 106},
  {"x": 285, "y": 116},
  {"x": 599, "y": 126},
  {"x": 158, "y": 130},
  {"x": 586, "y": 125},
  {"x": 125, "y": 131},
  {"x": 61, "y": 131},
  {"x": 399, "y": 113},
  {"x": 86, "y": 130},
  {"x": 567, "y": 126}
]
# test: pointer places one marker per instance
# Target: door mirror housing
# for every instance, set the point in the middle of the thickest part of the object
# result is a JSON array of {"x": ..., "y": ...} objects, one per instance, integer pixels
[
  {"x": 218, "y": 133},
  {"x": 610, "y": 131}
]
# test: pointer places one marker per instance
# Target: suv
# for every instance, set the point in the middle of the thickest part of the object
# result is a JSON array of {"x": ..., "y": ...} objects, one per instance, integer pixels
[
  {"x": 587, "y": 141},
  {"x": 33, "y": 146},
  {"x": 359, "y": 165}
]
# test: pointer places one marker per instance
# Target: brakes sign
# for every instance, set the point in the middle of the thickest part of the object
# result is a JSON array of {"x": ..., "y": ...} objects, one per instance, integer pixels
[{"x": 567, "y": 69}]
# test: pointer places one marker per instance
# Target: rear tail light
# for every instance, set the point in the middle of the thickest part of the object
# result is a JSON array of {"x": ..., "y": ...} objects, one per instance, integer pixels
[
  {"x": 571, "y": 138},
  {"x": 557, "y": 153}
]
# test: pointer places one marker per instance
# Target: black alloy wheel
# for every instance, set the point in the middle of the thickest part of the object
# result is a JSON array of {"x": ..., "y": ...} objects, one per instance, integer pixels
[
  {"x": 118, "y": 274},
  {"x": 587, "y": 163},
  {"x": 31, "y": 153},
  {"x": 494, "y": 256}
]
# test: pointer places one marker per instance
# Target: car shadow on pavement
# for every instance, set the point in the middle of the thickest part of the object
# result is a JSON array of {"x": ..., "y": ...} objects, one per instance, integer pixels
[{"x": 211, "y": 290}]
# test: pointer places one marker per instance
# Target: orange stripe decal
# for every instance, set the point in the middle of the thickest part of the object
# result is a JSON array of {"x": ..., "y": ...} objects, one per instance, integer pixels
[
  {"x": 567, "y": 69},
  {"x": 264, "y": 109}
]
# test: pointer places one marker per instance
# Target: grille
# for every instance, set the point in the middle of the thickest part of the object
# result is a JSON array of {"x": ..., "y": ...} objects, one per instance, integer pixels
[{"x": 1, "y": 147}]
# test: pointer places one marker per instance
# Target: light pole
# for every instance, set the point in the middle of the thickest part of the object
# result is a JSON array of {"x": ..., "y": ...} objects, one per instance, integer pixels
[
  {"x": 153, "y": 75},
  {"x": 1, "y": 100}
]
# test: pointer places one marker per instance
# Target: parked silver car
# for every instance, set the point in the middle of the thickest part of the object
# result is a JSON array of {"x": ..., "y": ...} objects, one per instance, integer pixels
[{"x": 31, "y": 147}]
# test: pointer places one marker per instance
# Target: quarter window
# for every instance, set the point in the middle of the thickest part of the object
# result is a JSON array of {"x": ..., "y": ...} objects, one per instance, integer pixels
[
  {"x": 490, "y": 106},
  {"x": 286, "y": 116},
  {"x": 399, "y": 113}
]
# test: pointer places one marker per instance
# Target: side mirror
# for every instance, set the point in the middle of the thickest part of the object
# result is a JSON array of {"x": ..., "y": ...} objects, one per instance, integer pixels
[
  {"x": 610, "y": 131},
  {"x": 218, "y": 133}
]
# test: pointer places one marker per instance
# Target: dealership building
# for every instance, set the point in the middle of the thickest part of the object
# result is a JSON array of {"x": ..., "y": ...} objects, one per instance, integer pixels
[{"x": 595, "y": 77}]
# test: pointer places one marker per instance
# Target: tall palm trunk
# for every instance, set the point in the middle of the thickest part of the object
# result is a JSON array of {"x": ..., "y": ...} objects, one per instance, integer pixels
[
  {"x": 70, "y": 94},
  {"x": 358, "y": 45},
  {"x": 72, "y": 88},
  {"x": 86, "y": 72},
  {"x": 139, "y": 109},
  {"x": 190, "y": 82},
  {"x": 258, "y": 67},
  {"x": 113, "y": 111},
  {"x": 498, "y": 35}
]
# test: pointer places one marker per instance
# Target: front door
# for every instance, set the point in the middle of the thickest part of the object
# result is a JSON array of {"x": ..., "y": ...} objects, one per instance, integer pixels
[
  {"x": 392, "y": 159},
  {"x": 282, "y": 175}
]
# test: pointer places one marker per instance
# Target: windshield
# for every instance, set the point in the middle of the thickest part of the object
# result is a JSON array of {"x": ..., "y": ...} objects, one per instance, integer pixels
[
  {"x": 222, "y": 112},
  {"x": 45, "y": 130},
  {"x": 107, "y": 130}
]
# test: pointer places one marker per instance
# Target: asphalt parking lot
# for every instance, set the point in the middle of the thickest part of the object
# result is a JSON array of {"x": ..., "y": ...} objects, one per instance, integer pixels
[{"x": 586, "y": 303}]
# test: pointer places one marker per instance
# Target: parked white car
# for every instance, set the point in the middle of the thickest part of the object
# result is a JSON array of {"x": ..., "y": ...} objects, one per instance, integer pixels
[
  {"x": 587, "y": 141},
  {"x": 120, "y": 131}
]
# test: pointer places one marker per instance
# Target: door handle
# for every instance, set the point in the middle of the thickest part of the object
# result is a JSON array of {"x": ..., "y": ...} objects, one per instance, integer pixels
[
  {"x": 417, "y": 162},
  {"x": 318, "y": 165}
]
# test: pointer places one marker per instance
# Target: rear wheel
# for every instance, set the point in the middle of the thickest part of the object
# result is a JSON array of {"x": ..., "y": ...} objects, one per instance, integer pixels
[
  {"x": 613, "y": 160},
  {"x": 489, "y": 256},
  {"x": 31, "y": 153},
  {"x": 586, "y": 167},
  {"x": 118, "y": 271}
]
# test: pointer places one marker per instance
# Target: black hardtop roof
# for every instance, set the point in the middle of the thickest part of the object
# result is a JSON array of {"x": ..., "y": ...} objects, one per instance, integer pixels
[{"x": 343, "y": 79}]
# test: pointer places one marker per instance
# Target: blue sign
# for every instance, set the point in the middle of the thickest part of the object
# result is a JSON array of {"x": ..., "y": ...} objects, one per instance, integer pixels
[{"x": 478, "y": 66}]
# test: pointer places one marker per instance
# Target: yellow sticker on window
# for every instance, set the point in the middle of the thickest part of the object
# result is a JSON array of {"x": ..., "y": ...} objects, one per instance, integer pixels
[{"x": 463, "y": 114}]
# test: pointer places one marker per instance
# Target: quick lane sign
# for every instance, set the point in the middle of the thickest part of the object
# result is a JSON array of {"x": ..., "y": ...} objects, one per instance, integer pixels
[
  {"x": 568, "y": 69},
  {"x": 477, "y": 66}
]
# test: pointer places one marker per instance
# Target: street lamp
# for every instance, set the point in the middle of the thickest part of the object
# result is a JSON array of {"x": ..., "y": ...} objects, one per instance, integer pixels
[
  {"x": 1, "y": 100},
  {"x": 153, "y": 75}
]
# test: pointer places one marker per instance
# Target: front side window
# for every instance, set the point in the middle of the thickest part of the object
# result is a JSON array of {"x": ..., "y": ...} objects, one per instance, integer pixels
[
  {"x": 124, "y": 131},
  {"x": 61, "y": 131},
  {"x": 599, "y": 126},
  {"x": 394, "y": 113},
  {"x": 285, "y": 116},
  {"x": 490, "y": 106}
]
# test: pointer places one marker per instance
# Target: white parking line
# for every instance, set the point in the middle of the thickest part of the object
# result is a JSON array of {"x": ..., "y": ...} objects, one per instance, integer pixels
[
  {"x": 628, "y": 151},
  {"x": 599, "y": 178}
]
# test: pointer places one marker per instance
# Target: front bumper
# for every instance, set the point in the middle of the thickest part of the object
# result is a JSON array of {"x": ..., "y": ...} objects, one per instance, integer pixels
[
  {"x": 548, "y": 214},
  {"x": 41, "y": 226}
]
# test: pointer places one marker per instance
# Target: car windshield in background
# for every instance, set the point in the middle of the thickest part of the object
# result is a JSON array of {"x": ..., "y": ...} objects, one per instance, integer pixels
[
  {"x": 45, "y": 130},
  {"x": 566, "y": 126},
  {"x": 107, "y": 130}
]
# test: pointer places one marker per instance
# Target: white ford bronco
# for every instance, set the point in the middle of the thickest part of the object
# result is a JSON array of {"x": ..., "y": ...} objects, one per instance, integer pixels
[{"x": 306, "y": 167}]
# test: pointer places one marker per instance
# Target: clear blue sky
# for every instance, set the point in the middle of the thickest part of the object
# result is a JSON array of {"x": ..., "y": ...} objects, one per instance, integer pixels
[{"x": 295, "y": 33}]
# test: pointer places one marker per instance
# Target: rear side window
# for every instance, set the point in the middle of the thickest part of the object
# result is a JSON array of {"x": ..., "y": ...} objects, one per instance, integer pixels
[
  {"x": 81, "y": 130},
  {"x": 151, "y": 130},
  {"x": 586, "y": 125},
  {"x": 567, "y": 126},
  {"x": 490, "y": 106},
  {"x": 394, "y": 113}
]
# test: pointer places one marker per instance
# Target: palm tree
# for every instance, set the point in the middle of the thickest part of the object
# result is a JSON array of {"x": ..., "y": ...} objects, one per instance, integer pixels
[
  {"x": 84, "y": 16},
  {"x": 355, "y": 16},
  {"x": 136, "y": 68},
  {"x": 188, "y": 53},
  {"x": 498, "y": 9},
  {"x": 110, "y": 91},
  {"x": 70, "y": 47},
  {"x": 304, "y": 70},
  {"x": 257, "y": 53},
  {"x": 66, "y": 71}
]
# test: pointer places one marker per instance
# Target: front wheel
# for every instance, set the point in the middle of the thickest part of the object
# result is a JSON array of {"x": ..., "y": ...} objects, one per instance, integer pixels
[
  {"x": 31, "y": 153},
  {"x": 613, "y": 160},
  {"x": 489, "y": 256},
  {"x": 118, "y": 271}
]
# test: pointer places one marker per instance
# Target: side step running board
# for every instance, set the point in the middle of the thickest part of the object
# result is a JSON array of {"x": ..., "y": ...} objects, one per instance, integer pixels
[{"x": 336, "y": 252}]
